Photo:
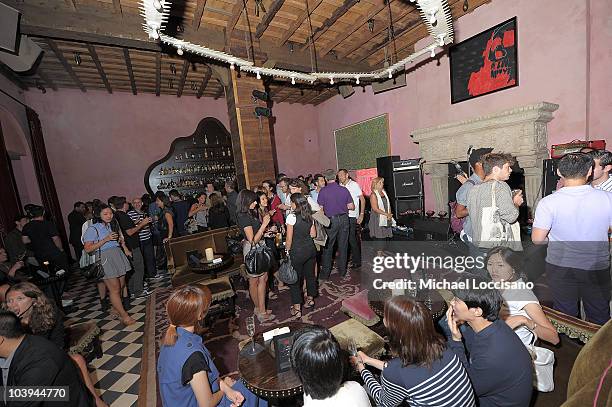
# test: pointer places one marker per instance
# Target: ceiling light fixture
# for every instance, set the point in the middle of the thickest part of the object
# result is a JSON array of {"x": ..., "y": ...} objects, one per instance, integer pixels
[
  {"x": 293, "y": 80},
  {"x": 433, "y": 53},
  {"x": 432, "y": 16},
  {"x": 357, "y": 80},
  {"x": 77, "y": 58},
  {"x": 173, "y": 69},
  {"x": 331, "y": 81},
  {"x": 158, "y": 6},
  {"x": 371, "y": 25},
  {"x": 179, "y": 51},
  {"x": 258, "y": 74},
  {"x": 466, "y": 5}
]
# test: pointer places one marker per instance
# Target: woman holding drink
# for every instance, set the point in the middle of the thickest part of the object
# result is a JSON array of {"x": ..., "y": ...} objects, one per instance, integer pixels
[{"x": 101, "y": 240}]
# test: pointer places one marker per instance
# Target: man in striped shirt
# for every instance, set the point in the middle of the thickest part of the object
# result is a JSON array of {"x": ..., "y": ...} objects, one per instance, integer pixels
[
  {"x": 601, "y": 170},
  {"x": 146, "y": 240}
]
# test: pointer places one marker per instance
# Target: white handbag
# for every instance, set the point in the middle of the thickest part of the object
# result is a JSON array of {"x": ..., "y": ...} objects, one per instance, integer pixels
[
  {"x": 543, "y": 363},
  {"x": 494, "y": 231}
]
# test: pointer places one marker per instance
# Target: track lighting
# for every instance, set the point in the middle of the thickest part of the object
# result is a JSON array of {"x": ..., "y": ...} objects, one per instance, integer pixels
[
  {"x": 371, "y": 25},
  {"x": 77, "y": 58},
  {"x": 173, "y": 69},
  {"x": 466, "y": 5},
  {"x": 357, "y": 81},
  {"x": 433, "y": 53},
  {"x": 293, "y": 80},
  {"x": 258, "y": 74},
  {"x": 179, "y": 51},
  {"x": 331, "y": 81}
]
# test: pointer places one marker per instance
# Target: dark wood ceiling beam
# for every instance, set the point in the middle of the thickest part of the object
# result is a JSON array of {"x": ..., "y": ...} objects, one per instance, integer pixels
[
  {"x": 339, "y": 12},
  {"x": 204, "y": 83},
  {"x": 411, "y": 28},
  {"x": 312, "y": 6},
  {"x": 157, "y": 73},
  {"x": 373, "y": 12},
  {"x": 106, "y": 30},
  {"x": 184, "y": 73},
  {"x": 117, "y": 7},
  {"x": 128, "y": 65},
  {"x": 383, "y": 27},
  {"x": 287, "y": 96},
  {"x": 43, "y": 75},
  {"x": 197, "y": 14},
  {"x": 65, "y": 64},
  {"x": 96, "y": 60},
  {"x": 219, "y": 92},
  {"x": 233, "y": 20},
  {"x": 71, "y": 4},
  {"x": 267, "y": 19},
  {"x": 317, "y": 101},
  {"x": 419, "y": 31}
]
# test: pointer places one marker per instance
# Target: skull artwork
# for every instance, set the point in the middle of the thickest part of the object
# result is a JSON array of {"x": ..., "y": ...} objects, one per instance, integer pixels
[{"x": 498, "y": 69}]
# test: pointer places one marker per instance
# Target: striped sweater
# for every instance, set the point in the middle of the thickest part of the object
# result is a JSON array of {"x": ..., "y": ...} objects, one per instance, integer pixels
[{"x": 446, "y": 383}]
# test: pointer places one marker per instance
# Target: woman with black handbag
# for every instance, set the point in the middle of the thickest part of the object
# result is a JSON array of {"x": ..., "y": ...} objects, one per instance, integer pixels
[
  {"x": 101, "y": 238},
  {"x": 258, "y": 259},
  {"x": 301, "y": 252}
]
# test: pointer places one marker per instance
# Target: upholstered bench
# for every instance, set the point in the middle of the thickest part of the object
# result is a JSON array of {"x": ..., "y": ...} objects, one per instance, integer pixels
[
  {"x": 366, "y": 340},
  {"x": 84, "y": 339},
  {"x": 223, "y": 298},
  {"x": 357, "y": 308}
]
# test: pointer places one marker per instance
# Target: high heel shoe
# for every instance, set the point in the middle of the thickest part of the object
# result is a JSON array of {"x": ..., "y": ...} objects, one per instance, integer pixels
[{"x": 265, "y": 317}]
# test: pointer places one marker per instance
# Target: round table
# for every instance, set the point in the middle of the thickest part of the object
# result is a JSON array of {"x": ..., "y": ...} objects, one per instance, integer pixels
[
  {"x": 377, "y": 299},
  {"x": 259, "y": 375},
  {"x": 207, "y": 267}
]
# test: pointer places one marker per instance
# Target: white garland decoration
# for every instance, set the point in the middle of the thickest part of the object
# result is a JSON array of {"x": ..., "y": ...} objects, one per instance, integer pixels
[{"x": 435, "y": 14}]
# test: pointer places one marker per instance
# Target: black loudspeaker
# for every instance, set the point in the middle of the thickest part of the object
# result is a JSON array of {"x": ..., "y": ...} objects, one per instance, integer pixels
[
  {"x": 398, "y": 81},
  {"x": 407, "y": 183},
  {"x": 384, "y": 168},
  {"x": 346, "y": 90},
  {"x": 549, "y": 176},
  {"x": 408, "y": 205}
]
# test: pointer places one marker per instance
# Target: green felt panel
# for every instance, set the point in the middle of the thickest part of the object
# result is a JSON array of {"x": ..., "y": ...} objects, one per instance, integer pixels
[{"x": 358, "y": 145}]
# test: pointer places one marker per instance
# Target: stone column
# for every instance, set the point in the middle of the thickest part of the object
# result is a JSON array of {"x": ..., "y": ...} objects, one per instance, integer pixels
[{"x": 439, "y": 184}]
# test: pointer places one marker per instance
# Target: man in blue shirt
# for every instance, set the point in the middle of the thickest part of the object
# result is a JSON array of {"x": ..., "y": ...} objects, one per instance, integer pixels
[{"x": 336, "y": 202}]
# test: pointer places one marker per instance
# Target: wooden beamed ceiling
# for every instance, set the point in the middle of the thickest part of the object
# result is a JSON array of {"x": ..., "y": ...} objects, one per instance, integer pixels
[{"x": 115, "y": 55}]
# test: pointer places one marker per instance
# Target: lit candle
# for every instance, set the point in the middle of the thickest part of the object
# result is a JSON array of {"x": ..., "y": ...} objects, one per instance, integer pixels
[{"x": 210, "y": 255}]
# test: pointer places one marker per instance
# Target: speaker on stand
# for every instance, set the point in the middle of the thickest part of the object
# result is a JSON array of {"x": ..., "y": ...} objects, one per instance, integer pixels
[{"x": 403, "y": 184}]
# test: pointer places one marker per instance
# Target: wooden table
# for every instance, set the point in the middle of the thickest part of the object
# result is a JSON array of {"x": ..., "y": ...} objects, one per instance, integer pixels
[
  {"x": 259, "y": 375},
  {"x": 207, "y": 267},
  {"x": 377, "y": 299}
]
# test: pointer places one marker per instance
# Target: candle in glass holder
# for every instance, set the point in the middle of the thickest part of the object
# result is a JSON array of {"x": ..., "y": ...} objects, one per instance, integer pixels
[{"x": 210, "y": 255}]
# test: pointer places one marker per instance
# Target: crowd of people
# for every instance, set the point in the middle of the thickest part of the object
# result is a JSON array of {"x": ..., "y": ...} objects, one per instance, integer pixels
[{"x": 475, "y": 355}]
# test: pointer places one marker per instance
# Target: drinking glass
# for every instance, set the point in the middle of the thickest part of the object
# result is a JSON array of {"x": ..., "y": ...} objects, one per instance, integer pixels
[
  {"x": 255, "y": 348},
  {"x": 250, "y": 327}
]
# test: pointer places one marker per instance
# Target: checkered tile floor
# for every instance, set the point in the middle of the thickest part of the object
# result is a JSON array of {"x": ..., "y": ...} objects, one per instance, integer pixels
[{"x": 116, "y": 374}]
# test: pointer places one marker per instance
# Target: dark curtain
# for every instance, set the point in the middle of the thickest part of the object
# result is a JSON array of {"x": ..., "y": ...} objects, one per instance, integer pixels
[
  {"x": 45, "y": 178},
  {"x": 9, "y": 197}
]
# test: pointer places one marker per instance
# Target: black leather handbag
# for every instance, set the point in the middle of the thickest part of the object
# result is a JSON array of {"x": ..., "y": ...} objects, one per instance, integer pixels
[
  {"x": 259, "y": 260},
  {"x": 96, "y": 270}
]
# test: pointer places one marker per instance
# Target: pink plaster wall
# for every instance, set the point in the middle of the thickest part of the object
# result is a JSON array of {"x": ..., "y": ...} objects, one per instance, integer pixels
[
  {"x": 600, "y": 119},
  {"x": 100, "y": 144},
  {"x": 296, "y": 137}
]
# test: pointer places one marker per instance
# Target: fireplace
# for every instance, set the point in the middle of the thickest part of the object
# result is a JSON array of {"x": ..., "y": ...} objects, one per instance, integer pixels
[{"x": 521, "y": 132}]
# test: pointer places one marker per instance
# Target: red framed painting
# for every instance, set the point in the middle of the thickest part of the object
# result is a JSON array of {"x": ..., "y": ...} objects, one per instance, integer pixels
[{"x": 485, "y": 63}]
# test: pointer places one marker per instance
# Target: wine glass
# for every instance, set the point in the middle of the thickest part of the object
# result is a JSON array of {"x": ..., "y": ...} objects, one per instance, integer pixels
[
  {"x": 353, "y": 347},
  {"x": 250, "y": 327}
]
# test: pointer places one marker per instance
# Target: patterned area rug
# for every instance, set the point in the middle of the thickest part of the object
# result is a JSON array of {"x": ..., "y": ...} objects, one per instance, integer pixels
[{"x": 223, "y": 337}]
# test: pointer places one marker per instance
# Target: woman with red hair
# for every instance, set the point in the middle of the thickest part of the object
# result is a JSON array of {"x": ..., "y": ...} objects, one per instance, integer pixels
[{"x": 187, "y": 374}]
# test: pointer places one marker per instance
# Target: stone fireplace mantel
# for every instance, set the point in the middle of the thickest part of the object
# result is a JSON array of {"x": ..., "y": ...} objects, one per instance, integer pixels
[{"x": 521, "y": 132}]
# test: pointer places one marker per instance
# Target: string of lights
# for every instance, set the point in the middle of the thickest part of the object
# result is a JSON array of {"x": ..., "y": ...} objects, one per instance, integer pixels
[{"x": 435, "y": 14}]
